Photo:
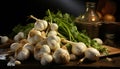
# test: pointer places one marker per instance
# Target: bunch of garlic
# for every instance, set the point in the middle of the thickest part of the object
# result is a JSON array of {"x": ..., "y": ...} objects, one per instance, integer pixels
[{"x": 45, "y": 45}]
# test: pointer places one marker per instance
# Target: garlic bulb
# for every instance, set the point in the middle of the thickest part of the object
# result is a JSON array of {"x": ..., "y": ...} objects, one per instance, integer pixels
[
  {"x": 98, "y": 40},
  {"x": 54, "y": 26},
  {"x": 19, "y": 36},
  {"x": 3, "y": 39},
  {"x": 15, "y": 46},
  {"x": 29, "y": 46},
  {"x": 34, "y": 36},
  {"x": 39, "y": 50},
  {"x": 52, "y": 32},
  {"x": 54, "y": 37},
  {"x": 91, "y": 54},
  {"x": 78, "y": 48},
  {"x": 53, "y": 45},
  {"x": 40, "y": 25},
  {"x": 61, "y": 56},
  {"x": 46, "y": 59},
  {"x": 22, "y": 53}
]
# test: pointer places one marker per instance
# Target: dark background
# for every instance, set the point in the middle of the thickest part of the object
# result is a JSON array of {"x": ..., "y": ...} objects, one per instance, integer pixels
[{"x": 13, "y": 12}]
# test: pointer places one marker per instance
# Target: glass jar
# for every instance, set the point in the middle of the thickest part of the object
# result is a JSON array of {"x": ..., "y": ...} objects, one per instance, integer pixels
[{"x": 89, "y": 21}]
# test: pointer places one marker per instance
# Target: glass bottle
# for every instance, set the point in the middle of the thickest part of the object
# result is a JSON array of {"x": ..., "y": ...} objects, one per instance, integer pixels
[
  {"x": 90, "y": 14},
  {"x": 89, "y": 21}
]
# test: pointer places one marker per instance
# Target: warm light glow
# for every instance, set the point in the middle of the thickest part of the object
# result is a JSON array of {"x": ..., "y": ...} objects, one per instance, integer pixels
[{"x": 93, "y": 19}]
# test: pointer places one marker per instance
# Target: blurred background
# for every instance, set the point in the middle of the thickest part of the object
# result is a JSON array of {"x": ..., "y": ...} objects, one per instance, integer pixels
[{"x": 17, "y": 11}]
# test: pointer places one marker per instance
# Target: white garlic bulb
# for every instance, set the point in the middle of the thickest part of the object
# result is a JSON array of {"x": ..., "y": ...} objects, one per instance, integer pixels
[
  {"x": 34, "y": 36},
  {"x": 15, "y": 46},
  {"x": 91, "y": 54},
  {"x": 52, "y": 33},
  {"x": 3, "y": 39},
  {"x": 54, "y": 26},
  {"x": 61, "y": 56},
  {"x": 29, "y": 46},
  {"x": 98, "y": 40},
  {"x": 53, "y": 44},
  {"x": 46, "y": 59},
  {"x": 40, "y": 25},
  {"x": 78, "y": 48},
  {"x": 19, "y": 36},
  {"x": 39, "y": 50},
  {"x": 22, "y": 53}
]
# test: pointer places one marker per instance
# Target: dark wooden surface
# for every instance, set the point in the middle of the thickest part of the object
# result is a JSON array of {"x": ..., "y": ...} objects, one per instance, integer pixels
[{"x": 102, "y": 63}]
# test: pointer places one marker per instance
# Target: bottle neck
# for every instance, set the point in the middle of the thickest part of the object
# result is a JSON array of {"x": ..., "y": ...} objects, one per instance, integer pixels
[{"x": 90, "y": 6}]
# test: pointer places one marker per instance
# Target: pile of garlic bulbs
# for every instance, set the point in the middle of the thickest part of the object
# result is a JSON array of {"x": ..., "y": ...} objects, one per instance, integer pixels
[{"x": 45, "y": 45}]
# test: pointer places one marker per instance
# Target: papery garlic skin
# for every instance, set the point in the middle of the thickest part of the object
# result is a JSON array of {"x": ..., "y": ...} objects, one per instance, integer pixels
[
  {"x": 61, "y": 56},
  {"x": 22, "y": 54},
  {"x": 46, "y": 59},
  {"x": 78, "y": 48}
]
